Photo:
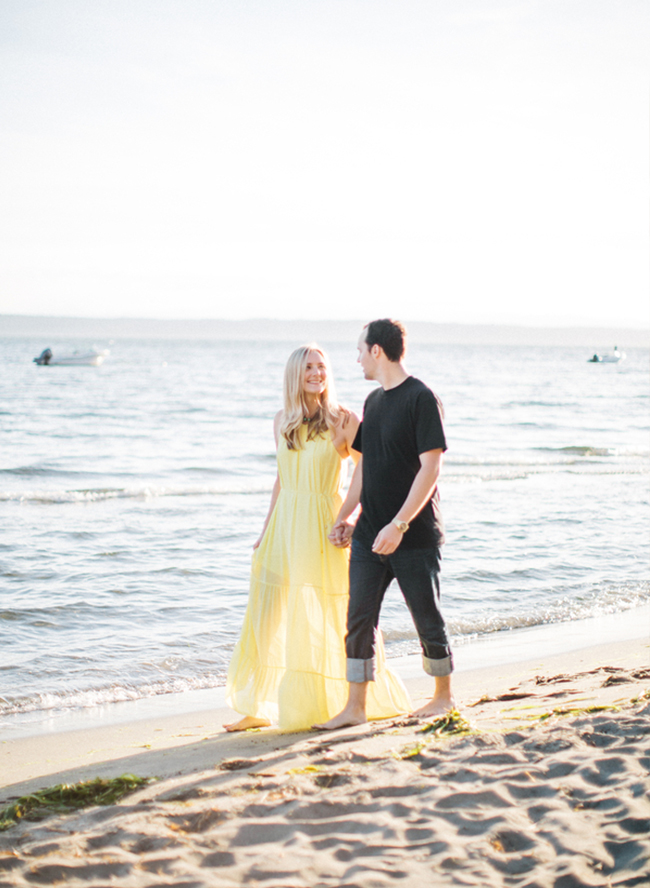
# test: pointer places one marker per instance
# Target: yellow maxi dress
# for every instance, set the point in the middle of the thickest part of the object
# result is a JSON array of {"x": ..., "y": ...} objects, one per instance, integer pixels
[{"x": 289, "y": 663}]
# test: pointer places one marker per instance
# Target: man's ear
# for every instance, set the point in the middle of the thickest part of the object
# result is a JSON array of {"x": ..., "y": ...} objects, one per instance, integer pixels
[{"x": 376, "y": 350}]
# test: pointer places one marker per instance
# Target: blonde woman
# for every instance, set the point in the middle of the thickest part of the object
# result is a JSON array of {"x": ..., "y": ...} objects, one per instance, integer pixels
[{"x": 288, "y": 666}]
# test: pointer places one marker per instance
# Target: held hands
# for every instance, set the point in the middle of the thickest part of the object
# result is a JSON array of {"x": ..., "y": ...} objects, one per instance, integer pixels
[
  {"x": 387, "y": 540},
  {"x": 341, "y": 534}
]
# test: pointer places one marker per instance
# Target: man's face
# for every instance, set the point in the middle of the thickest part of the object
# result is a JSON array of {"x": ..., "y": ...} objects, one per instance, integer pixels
[{"x": 365, "y": 357}]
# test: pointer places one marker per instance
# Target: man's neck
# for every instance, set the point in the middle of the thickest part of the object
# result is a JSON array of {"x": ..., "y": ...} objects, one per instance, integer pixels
[{"x": 391, "y": 374}]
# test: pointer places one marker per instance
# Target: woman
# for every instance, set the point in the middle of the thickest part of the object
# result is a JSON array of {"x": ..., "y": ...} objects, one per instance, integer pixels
[{"x": 289, "y": 663}]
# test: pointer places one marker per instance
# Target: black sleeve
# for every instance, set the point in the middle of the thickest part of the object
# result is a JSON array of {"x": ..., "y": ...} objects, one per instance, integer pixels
[
  {"x": 429, "y": 431},
  {"x": 358, "y": 438}
]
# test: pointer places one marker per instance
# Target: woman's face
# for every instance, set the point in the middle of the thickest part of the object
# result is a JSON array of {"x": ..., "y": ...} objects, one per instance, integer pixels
[{"x": 315, "y": 380}]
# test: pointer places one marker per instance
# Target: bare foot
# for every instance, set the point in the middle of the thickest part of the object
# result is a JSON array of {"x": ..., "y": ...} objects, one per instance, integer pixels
[
  {"x": 345, "y": 719},
  {"x": 248, "y": 722},
  {"x": 439, "y": 704}
]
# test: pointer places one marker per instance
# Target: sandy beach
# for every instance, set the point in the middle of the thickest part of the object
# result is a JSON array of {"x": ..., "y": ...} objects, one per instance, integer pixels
[{"x": 550, "y": 788}]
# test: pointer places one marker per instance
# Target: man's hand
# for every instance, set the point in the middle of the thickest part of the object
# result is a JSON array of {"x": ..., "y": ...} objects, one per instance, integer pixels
[
  {"x": 387, "y": 540},
  {"x": 424, "y": 483},
  {"x": 341, "y": 534}
]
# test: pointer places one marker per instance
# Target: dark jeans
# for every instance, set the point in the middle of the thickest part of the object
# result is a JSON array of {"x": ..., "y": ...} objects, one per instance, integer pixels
[{"x": 416, "y": 571}]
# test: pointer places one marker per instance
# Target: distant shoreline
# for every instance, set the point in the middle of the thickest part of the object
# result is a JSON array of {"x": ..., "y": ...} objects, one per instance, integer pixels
[{"x": 49, "y": 328}]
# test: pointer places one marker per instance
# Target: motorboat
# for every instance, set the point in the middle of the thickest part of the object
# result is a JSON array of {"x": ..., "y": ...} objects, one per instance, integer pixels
[
  {"x": 614, "y": 358},
  {"x": 91, "y": 358}
]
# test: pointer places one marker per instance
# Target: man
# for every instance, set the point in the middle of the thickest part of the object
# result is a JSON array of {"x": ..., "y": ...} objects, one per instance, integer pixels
[{"x": 399, "y": 531}]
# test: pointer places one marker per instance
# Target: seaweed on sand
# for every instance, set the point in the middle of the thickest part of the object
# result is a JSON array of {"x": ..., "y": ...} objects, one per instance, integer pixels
[
  {"x": 576, "y": 710},
  {"x": 452, "y": 724},
  {"x": 66, "y": 797}
]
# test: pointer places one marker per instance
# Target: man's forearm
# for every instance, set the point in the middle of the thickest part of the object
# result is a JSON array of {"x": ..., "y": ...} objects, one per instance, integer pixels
[
  {"x": 420, "y": 493},
  {"x": 353, "y": 497}
]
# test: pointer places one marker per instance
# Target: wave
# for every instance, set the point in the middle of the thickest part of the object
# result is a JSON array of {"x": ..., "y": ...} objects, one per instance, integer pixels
[
  {"x": 615, "y": 600},
  {"x": 522, "y": 475},
  {"x": 202, "y": 470},
  {"x": 145, "y": 492},
  {"x": 61, "y": 701},
  {"x": 87, "y": 496},
  {"x": 38, "y": 470},
  {"x": 459, "y": 469},
  {"x": 557, "y": 456},
  {"x": 475, "y": 473},
  {"x": 399, "y": 641},
  {"x": 585, "y": 450},
  {"x": 560, "y": 612}
]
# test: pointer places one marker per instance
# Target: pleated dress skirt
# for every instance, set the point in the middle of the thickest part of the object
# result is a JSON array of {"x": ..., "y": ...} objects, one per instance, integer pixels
[{"x": 289, "y": 663}]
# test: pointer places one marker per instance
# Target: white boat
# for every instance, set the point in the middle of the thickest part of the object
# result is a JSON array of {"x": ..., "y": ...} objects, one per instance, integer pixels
[
  {"x": 91, "y": 358},
  {"x": 614, "y": 358}
]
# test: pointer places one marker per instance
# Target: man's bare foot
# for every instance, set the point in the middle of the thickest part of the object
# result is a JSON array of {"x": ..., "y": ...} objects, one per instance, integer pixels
[
  {"x": 439, "y": 704},
  {"x": 248, "y": 722},
  {"x": 345, "y": 719}
]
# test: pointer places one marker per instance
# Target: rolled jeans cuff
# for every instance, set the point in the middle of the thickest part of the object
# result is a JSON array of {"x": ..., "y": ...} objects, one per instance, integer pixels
[
  {"x": 437, "y": 668},
  {"x": 360, "y": 671}
]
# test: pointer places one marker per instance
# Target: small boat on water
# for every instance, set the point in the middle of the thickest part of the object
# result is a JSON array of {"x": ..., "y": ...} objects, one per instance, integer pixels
[
  {"x": 91, "y": 358},
  {"x": 614, "y": 358}
]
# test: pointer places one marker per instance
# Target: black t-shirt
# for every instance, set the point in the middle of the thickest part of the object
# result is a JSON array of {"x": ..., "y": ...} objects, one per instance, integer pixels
[{"x": 398, "y": 425}]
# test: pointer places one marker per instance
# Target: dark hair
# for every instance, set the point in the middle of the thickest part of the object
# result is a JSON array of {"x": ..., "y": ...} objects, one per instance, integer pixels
[{"x": 389, "y": 335}]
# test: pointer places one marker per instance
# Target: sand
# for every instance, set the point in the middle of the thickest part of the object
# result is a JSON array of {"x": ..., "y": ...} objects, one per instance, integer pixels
[{"x": 550, "y": 788}]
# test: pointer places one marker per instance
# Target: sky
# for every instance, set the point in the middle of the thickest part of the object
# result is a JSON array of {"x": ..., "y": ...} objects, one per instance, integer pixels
[{"x": 458, "y": 161}]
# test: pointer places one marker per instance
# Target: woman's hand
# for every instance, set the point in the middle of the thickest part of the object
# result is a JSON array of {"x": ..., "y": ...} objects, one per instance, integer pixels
[
  {"x": 344, "y": 432},
  {"x": 341, "y": 534},
  {"x": 257, "y": 542}
]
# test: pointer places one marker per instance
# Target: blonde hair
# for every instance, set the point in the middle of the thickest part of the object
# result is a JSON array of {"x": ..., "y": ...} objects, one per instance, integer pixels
[{"x": 295, "y": 406}]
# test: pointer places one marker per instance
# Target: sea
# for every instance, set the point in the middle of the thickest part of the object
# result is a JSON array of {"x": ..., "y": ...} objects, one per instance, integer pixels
[{"x": 131, "y": 494}]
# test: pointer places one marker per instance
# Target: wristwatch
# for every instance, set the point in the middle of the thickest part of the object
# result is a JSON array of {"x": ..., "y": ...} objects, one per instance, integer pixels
[{"x": 402, "y": 526}]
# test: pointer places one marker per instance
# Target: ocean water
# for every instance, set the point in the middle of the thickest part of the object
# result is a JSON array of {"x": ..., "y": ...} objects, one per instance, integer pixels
[{"x": 131, "y": 494}]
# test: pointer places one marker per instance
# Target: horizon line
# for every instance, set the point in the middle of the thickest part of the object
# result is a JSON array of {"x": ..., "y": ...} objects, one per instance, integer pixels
[{"x": 266, "y": 319}]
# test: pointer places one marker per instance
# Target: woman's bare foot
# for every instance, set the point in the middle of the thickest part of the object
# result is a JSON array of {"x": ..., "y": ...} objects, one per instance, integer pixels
[{"x": 248, "y": 722}]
